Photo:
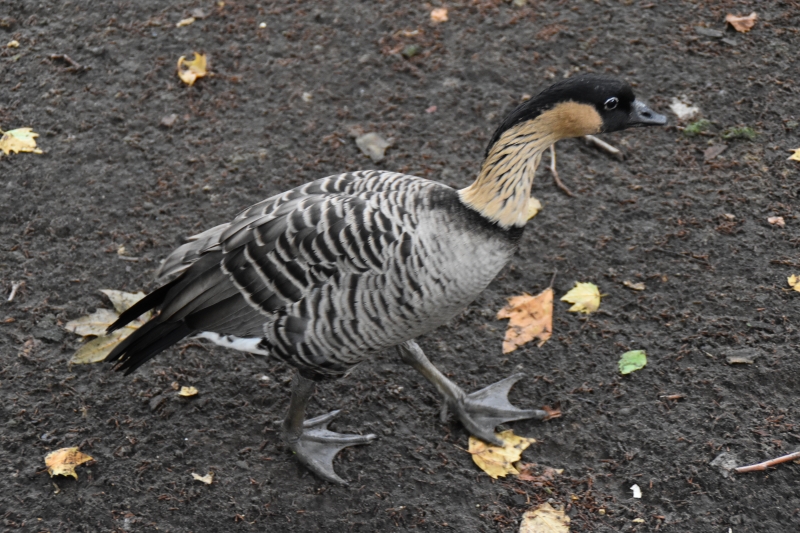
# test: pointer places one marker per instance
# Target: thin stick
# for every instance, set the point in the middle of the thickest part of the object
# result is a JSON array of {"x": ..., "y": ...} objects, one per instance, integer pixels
[
  {"x": 74, "y": 65},
  {"x": 555, "y": 172},
  {"x": 767, "y": 464},
  {"x": 14, "y": 287},
  {"x": 591, "y": 140}
]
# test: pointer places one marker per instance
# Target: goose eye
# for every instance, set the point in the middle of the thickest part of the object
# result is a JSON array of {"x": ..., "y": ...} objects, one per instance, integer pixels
[{"x": 611, "y": 103}]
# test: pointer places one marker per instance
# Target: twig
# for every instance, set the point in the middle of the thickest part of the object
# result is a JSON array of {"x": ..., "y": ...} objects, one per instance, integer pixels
[
  {"x": 559, "y": 184},
  {"x": 73, "y": 65},
  {"x": 591, "y": 140},
  {"x": 767, "y": 464},
  {"x": 14, "y": 286}
]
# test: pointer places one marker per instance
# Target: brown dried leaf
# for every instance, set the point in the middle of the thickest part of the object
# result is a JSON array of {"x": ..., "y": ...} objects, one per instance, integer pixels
[
  {"x": 639, "y": 286},
  {"x": 63, "y": 462},
  {"x": 439, "y": 15},
  {"x": 742, "y": 24},
  {"x": 531, "y": 317}
]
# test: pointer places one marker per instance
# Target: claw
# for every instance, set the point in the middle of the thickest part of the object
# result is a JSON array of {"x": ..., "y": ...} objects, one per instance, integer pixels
[
  {"x": 317, "y": 446},
  {"x": 483, "y": 410}
]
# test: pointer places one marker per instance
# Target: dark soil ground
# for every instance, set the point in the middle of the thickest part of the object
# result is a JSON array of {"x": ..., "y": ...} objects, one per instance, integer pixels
[{"x": 694, "y": 231}]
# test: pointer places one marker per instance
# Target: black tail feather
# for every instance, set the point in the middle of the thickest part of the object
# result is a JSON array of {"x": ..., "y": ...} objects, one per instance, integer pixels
[
  {"x": 151, "y": 301},
  {"x": 147, "y": 342}
]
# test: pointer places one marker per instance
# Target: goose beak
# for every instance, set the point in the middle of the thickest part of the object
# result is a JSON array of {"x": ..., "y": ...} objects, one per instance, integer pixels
[{"x": 641, "y": 115}]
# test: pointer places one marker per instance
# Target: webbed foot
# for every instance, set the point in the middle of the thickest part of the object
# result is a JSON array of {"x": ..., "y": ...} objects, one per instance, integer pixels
[
  {"x": 483, "y": 410},
  {"x": 317, "y": 446}
]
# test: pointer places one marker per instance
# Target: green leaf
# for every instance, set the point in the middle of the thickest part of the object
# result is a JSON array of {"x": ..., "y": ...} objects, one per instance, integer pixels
[{"x": 633, "y": 360}]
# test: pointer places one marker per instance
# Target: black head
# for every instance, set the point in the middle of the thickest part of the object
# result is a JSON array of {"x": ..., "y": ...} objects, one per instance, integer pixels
[{"x": 613, "y": 100}]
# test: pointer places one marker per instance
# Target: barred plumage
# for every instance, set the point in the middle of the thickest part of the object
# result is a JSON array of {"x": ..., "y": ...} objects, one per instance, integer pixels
[{"x": 327, "y": 274}]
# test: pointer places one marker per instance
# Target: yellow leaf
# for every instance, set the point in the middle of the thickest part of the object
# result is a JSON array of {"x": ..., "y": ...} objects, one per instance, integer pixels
[
  {"x": 531, "y": 317},
  {"x": 207, "y": 479},
  {"x": 796, "y": 155},
  {"x": 585, "y": 296},
  {"x": 439, "y": 14},
  {"x": 63, "y": 462},
  {"x": 185, "y": 22},
  {"x": 196, "y": 68},
  {"x": 544, "y": 519},
  {"x": 497, "y": 461},
  {"x": 187, "y": 391},
  {"x": 97, "y": 349},
  {"x": 742, "y": 24},
  {"x": 13, "y": 44},
  {"x": 794, "y": 282},
  {"x": 19, "y": 140},
  {"x": 122, "y": 300},
  {"x": 95, "y": 324}
]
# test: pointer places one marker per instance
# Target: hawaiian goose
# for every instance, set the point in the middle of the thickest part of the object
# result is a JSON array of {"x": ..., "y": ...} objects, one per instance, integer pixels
[{"x": 327, "y": 274}]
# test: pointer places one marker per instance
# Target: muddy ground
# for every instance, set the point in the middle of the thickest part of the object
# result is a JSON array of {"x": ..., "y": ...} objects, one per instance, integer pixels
[{"x": 115, "y": 173}]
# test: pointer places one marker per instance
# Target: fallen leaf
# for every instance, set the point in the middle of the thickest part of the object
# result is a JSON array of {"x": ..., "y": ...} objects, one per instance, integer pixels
[
  {"x": 207, "y": 479},
  {"x": 530, "y": 317},
  {"x": 431, "y": 109},
  {"x": 777, "y": 221},
  {"x": 98, "y": 322},
  {"x": 713, "y": 151},
  {"x": 548, "y": 473},
  {"x": 373, "y": 145},
  {"x": 794, "y": 282},
  {"x": 742, "y": 24},
  {"x": 585, "y": 296},
  {"x": 19, "y": 140},
  {"x": 187, "y": 391},
  {"x": 631, "y": 361},
  {"x": 439, "y": 15},
  {"x": 122, "y": 300},
  {"x": 795, "y": 156},
  {"x": 97, "y": 349},
  {"x": 497, "y": 461},
  {"x": 739, "y": 360},
  {"x": 95, "y": 324},
  {"x": 639, "y": 286},
  {"x": 196, "y": 68},
  {"x": 63, "y": 462},
  {"x": 544, "y": 519},
  {"x": 683, "y": 111},
  {"x": 185, "y": 22},
  {"x": 13, "y": 44}
]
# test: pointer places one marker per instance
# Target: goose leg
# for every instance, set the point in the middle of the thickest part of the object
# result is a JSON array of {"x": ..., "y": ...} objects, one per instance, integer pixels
[
  {"x": 311, "y": 440},
  {"x": 481, "y": 411}
]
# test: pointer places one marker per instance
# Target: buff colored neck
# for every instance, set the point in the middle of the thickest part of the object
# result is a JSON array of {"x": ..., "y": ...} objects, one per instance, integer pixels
[{"x": 502, "y": 191}]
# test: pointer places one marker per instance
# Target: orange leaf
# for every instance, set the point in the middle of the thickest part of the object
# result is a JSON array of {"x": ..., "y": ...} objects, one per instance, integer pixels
[
  {"x": 531, "y": 317},
  {"x": 439, "y": 15},
  {"x": 63, "y": 462},
  {"x": 742, "y": 24}
]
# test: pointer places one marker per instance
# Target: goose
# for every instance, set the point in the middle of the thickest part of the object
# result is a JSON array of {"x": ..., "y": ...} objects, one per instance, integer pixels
[{"x": 328, "y": 274}]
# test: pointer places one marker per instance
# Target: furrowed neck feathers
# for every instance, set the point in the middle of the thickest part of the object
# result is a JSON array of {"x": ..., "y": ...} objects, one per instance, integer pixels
[{"x": 502, "y": 191}]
